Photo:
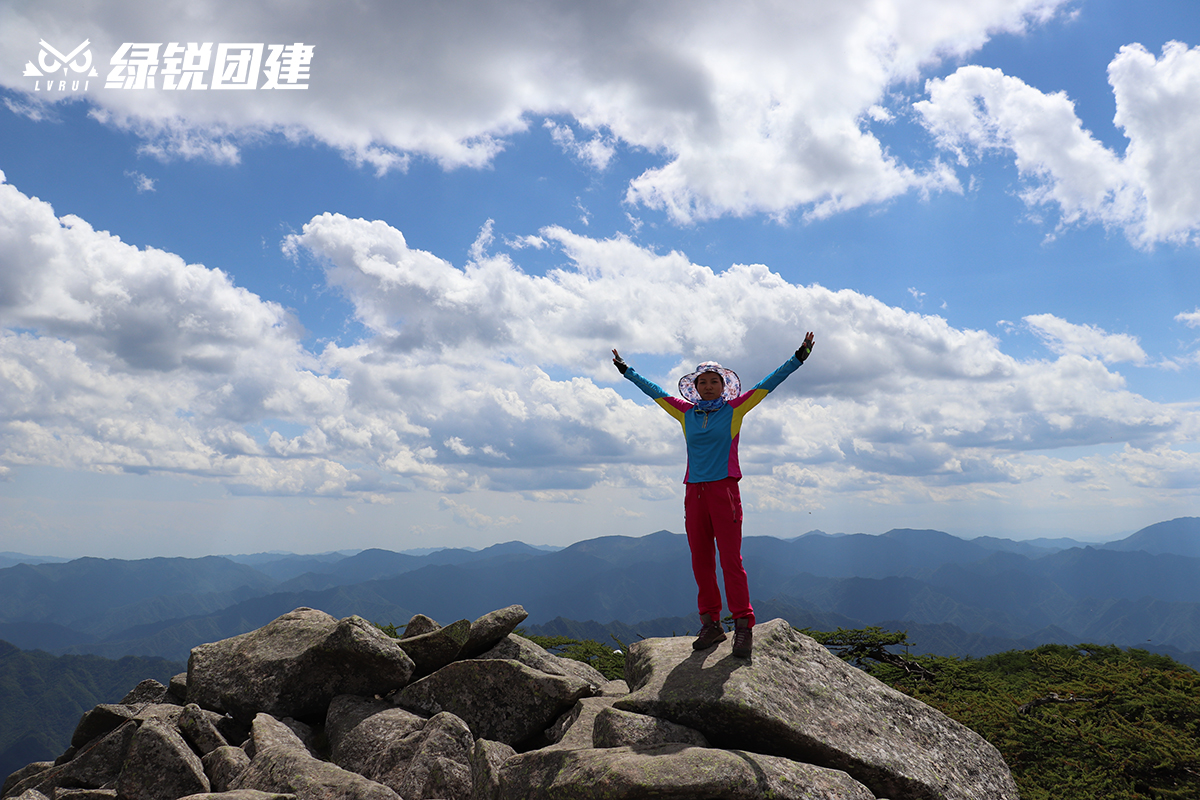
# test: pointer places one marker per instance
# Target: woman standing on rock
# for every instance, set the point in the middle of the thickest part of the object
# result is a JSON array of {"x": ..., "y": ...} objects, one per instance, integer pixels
[{"x": 711, "y": 413}]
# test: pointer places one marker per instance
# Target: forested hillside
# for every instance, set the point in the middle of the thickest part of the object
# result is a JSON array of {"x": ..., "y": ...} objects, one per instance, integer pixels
[{"x": 44, "y": 696}]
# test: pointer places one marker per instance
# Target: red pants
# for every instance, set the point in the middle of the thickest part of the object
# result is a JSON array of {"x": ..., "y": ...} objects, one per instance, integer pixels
[{"x": 713, "y": 512}]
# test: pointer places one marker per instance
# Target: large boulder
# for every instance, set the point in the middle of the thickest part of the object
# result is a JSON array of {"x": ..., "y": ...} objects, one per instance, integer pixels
[
  {"x": 489, "y": 629},
  {"x": 294, "y": 665},
  {"x": 100, "y": 721},
  {"x": 433, "y": 650},
  {"x": 795, "y": 699},
  {"x": 673, "y": 770},
  {"x": 518, "y": 648},
  {"x": 574, "y": 729},
  {"x": 616, "y": 728},
  {"x": 23, "y": 774},
  {"x": 486, "y": 760},
  {"x": 96, "y": 766},
  {"x": 418, "y": 625},
  {"x": 223, "y": 765},
  {"x": 283, "y": 764},
  {"x": 240, "y": 794},
  {"x": 148, "y": 691},
  {"x": 199, "y": 727},
  {"x": 502, "y": 700},
  {"x": 358, "y": 729},
  {"x": 431, "y": 759},
  {"x": 160, "y": 765}
]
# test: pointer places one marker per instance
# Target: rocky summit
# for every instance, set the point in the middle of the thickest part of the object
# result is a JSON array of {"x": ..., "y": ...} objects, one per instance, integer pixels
[{"x": 315, "y": 708}]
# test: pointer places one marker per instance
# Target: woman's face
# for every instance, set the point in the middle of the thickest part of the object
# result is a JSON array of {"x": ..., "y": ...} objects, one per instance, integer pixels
[{"x": 709, "y": 385}]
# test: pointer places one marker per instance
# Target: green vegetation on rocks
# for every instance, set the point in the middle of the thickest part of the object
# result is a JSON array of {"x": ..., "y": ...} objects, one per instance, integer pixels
[
  {"x": 608, "y": 660},
  {"x": 1073, "y": 723}
]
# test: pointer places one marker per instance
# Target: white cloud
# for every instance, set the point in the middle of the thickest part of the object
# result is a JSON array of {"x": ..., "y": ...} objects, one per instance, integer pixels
[
  {"x": 1150, "y": 192},
  {"x": 1063, "y": 337},
  {"x": 597, "y": 152},
  {"x": 768, "y": 109},
  {"x": 140, "y": 181},
  {"x": 119, "y": 359},
  {"x": 1189, "y": 318},
  {"x": 472, "y": 517}
]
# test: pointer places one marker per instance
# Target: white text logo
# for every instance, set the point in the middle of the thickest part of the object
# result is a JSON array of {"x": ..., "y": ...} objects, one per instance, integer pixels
[{"x": 190, "y": 66}]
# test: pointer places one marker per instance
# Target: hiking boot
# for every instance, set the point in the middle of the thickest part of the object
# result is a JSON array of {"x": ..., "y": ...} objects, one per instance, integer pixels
[
  {"x": 711, "y": 634},
  {"x": 743, "y": 639}
]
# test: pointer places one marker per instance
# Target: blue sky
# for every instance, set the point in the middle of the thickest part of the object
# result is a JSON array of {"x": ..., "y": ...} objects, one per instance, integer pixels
[{"x": 375, "y": 312}]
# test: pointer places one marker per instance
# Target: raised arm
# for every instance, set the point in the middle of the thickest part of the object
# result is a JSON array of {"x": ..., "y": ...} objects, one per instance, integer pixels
[
  {"x": 750, "y": 399},
  {"x": 672, "y": 405}
]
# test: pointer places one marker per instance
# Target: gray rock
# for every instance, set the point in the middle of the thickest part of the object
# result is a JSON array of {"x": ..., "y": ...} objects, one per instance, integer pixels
[
  {"x": 614, "y": 689},
  {"x": 434, "y": 650},
  {"x": 199, "y": 727},
  {"x": 23, "y": 774},
  {"x": 162, "y": 712},
  {"x": 616, "y": 728},
  {"x": 240, "y": 794},
  {"x": 287, "y": 769},
  {"x": 100, "y": 721},
  {"x": 148, "y": 691},
  {"x": 96, "y": 766},
  {"x": 414, "y": 756},
  {"x": 486, "y": 760},
  {"x": 160, "y": 765},
  {"x": 419, "y": 625},
  {"x": 177, "y": 689},
  {"x": 294, "y": 666},
  {"x": 345, "y": 713},
  {"x": 518, "y": 648},
  {"x": 489, "y": 629},
  {"x": 795, "y": 699},
  {"x": 573, "y": 730},
  {"x": 672, "y": 770},
  {"x": 85, "y": 794},
  {"x": 31, "y": 794},
  {"x": 502, "y": 700},
  {"x": 267, "y": 732},
  {"x": 223, "y": 765},
  {"x": 359, "y": 730},
  {"x": 432, "y": 761},
  {"x": 305, "y": 734}
]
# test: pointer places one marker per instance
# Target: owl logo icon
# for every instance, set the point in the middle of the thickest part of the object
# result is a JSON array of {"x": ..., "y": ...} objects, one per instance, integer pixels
[{"x": 51, "y": 60}]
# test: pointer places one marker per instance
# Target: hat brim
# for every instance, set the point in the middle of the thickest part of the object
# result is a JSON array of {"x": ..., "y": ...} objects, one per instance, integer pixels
[{"x": 687, "y": 384}]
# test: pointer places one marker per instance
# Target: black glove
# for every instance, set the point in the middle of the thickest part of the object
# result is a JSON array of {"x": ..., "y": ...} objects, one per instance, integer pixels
[
  {"x": 620, "y": 364},
  {"x": 805, "y": 350}
]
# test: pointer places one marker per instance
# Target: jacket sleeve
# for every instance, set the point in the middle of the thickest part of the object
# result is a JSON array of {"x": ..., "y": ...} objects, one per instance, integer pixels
[
  {"x": 748, "y": 400},
  {"x": 672, "y": 405},
  {"x": 778, "y": 376}
]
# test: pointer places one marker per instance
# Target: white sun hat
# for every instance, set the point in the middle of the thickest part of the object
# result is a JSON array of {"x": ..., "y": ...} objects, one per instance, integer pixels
[{"x": 687, "y": 384}]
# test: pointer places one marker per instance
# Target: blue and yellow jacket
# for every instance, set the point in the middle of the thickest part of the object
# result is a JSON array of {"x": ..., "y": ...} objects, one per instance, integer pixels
[{"x": 712, "y": 437}]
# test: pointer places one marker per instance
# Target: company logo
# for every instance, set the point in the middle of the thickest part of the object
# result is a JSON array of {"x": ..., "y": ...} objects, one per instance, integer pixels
[
  {"x": 190, "y": 66},
  {"x": 51, "y": 60}
]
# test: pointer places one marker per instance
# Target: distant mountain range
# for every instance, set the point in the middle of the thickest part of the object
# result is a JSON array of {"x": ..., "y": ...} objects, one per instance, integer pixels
[{"x": 953, "y": 595}]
